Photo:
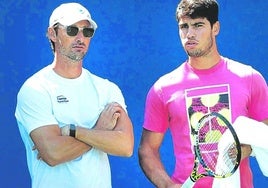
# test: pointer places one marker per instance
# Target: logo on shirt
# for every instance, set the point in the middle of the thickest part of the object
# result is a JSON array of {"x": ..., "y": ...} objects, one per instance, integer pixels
[
  {"x": 204, "y": 100},
  {"x": 61, "y": 99}
]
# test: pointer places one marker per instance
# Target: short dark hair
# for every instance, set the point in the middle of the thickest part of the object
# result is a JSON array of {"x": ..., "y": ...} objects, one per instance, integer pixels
[{"x": 198, "y": 9}]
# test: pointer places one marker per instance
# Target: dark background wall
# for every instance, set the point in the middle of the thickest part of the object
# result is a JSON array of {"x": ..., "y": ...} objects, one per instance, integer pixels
[{"x": 136, "y": 42}]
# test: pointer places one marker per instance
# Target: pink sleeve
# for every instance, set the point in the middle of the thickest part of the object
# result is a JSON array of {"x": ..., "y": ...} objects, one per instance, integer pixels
[
  {"x": 258, "y": 104},
  {"x": 156, "y": 113}
]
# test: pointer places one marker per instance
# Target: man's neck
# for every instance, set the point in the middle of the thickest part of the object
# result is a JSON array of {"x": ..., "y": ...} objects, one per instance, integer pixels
[
  {"x": 204, "y": 62},
  {"x": 67, "y": 68}
]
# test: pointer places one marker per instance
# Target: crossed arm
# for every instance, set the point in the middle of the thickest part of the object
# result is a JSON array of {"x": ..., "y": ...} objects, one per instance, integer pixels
[{"x": 113, "y": 134}]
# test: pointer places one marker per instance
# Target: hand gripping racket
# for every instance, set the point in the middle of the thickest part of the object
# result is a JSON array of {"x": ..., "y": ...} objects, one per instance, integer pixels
[{"x": 216, "y": 147}]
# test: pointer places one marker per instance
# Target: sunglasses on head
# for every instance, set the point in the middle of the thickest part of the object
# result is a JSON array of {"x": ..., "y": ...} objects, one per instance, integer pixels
[{"x": 73, "y": 30}]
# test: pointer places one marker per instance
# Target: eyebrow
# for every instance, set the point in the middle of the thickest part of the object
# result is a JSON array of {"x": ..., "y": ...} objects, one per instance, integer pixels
[
  {"x": 193, "y": 24},
  {"x": 196, "y": 23}
]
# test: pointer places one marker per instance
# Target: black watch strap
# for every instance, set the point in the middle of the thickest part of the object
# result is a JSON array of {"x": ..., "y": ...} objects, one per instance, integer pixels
[{"x": 72, "y": 130}]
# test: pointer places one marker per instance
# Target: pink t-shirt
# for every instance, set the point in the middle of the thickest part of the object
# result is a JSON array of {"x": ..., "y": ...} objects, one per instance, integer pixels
[{"x": 174, "y": 102}]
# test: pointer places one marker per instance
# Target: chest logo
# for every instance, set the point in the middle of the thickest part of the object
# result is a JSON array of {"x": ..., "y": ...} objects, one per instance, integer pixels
[{"x": 62, "y": 99}]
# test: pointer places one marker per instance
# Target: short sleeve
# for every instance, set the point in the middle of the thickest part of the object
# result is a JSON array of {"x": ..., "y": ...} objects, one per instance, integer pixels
[
  {"x": 156, "y": 113},
  {"x": 34, "y": 107},
  {"x": 259, "y": 97}
]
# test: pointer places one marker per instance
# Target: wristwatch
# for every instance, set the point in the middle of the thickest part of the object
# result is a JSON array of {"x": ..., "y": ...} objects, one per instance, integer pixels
[{"x": 72, "y": 130}]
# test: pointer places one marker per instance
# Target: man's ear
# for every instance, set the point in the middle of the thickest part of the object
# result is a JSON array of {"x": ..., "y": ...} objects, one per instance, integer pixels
[
  {"x": 216, "y": 28},
  {"x": 51, "y": 33}
]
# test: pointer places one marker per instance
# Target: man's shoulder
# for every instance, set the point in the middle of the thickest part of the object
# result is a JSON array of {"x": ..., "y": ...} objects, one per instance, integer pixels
[
  {"x": 174, "y": 75},
  {"x": 36, "y": 81},
  {"x": 42, "y": 73},
  {"x": 234, "y": 64},
  {"x": 240, "y": 69},
  {"x": 99, "y": 81}
]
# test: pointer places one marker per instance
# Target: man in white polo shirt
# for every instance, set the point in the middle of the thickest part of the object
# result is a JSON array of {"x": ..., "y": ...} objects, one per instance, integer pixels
[{"x": 70, "y": 119}]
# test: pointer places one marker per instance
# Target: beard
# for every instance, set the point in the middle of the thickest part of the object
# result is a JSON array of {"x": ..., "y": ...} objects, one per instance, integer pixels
[
  {"x": 75, "y": 57},
  {"x": 201, "y": 52}
]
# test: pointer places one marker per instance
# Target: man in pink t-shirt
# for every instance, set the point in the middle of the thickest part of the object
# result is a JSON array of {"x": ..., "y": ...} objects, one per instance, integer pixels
[{"x": 206, "y": 82}]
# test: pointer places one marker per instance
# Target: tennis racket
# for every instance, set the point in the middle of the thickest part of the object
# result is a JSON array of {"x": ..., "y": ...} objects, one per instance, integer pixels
[{"x": 216, "y": 147}]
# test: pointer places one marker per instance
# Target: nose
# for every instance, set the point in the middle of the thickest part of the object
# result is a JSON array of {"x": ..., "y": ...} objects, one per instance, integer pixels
[
  {"x": 80, "y": 34},
  {"x": 190, "y": 32},
  {"x": 80, "y": 37}
]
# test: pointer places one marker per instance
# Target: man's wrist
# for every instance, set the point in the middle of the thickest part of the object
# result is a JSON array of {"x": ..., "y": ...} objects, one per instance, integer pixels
[{"x": 72, "y": 130}]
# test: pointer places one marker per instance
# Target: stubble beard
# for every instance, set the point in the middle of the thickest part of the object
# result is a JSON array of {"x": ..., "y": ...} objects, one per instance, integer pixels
[
  {"x": 201, "y": 52},
  {"x": 75, "y": 57}
]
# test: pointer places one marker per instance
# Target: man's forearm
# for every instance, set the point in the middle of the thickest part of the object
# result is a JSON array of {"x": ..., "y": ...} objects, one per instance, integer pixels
[{"x": 155, "y": 171}]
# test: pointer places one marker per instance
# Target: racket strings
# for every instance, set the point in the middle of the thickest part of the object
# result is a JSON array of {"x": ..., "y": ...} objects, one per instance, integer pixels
[
  {"x": 216, "y": 163},
  {"x": 209, "y": 135},
  {"x": 228, "y": 159}
]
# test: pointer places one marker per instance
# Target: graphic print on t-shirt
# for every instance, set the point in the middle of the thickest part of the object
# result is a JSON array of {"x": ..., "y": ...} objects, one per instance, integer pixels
[{"x": 204, "y": 100}]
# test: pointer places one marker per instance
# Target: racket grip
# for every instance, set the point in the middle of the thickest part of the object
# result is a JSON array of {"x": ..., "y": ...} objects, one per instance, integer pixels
[{"x": 189, "y": 183}]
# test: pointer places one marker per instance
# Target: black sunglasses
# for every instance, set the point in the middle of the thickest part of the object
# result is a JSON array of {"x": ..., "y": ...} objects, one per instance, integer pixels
[{"x": 73, "y": 31}]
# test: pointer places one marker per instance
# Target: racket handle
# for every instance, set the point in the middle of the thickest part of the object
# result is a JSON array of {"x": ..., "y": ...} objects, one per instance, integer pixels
[{"x": 188, "y": 183}]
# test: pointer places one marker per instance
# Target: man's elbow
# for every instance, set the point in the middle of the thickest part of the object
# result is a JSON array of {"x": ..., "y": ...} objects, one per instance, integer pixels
[
  {"x": 50, "y": 162},
  {"x": 129, "y": 152},
  {"x": 128, "y": 148},
  {"x": 52, "y": 159}
]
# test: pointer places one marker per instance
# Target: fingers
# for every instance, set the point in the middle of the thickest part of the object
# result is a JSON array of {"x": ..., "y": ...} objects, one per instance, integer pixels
[
  {"x": 116, "y": 115},
  {"x": 109, "y": 116},
  {"x": 38, "y": 154},
  {"x": 39, "y": 157},
  {"x": 113, "y": 107},
  {"x": 110, "y": 109},
  {"x": 246, "y": 150},
  {"x": 34, "y": 147}
]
